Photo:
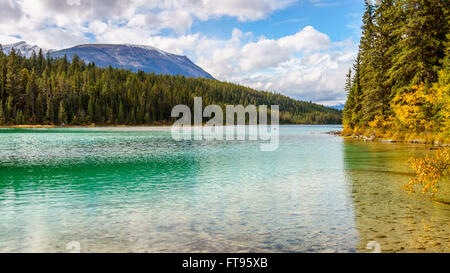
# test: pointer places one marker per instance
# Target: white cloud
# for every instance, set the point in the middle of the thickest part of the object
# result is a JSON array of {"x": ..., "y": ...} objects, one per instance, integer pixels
[
  {"x": 6, "y": 39},
  {"x": 9, "y": 10},
  {"x": 244, "y": 10},
  {"x": 306, "y": 65}
]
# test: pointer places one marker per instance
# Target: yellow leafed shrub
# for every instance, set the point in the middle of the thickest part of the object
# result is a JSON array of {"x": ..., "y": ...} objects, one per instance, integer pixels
[
  {"x": 417, "y": 110},
  {"x": 429, "y": 171}
]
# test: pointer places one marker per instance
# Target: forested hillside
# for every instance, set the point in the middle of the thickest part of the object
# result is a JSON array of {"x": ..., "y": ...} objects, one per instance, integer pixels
[
  {"x": 401, "y": 80},
  {"x": 44, "y": 90}
]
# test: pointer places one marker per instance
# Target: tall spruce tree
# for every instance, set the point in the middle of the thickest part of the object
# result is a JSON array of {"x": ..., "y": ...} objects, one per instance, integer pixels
[
  {"x": 422, "y": 43},
  {"x": 349, "y": 106},
  {"x": 357, "y": 92},
  {"x": 12, "y": 75},
  {"x": 2, "y": 115}
]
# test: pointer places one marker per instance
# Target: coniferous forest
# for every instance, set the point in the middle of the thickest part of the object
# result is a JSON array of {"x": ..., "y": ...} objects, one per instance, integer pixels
[
  {"x": 44, "y": 90},
  {"x": 400, "y": 80}
]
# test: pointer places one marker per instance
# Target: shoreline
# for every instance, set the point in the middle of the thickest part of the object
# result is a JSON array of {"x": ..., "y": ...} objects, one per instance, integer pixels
[
  {"x": 42, "y": 126},
  {"x": 394, "y": 136},
  {"x": 363, "y": 136}
]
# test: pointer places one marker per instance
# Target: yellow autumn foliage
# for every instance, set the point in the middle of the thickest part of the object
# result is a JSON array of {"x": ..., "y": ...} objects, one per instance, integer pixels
[
  {"x": 381, "y": 121},
  {"x": 418, "y": 109},
  {"x": 429, "y": 171}
]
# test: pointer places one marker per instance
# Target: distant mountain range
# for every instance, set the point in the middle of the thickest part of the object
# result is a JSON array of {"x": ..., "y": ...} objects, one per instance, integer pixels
[
  {"x": 132, "y": 57},
  {"x": 338, "y": 107}
]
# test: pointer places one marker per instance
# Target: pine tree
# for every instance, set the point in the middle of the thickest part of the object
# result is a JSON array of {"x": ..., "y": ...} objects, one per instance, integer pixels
[
  {"x": 20, "y": 119},
  {"x": 366, "y": 48},
  {"x": 2, "y": 76},
  {"x": 62, "y": 115},
  {"x": 50, "y": 113},
  {"x": 377, "y": 95},
  {"x": 422, "y": 43},
  {"x": 2, "y": 115},
  {"x": 12, "y": 75},
  {"x": 30, "y": 97},
  {"x": 349, "y": 106},
  {"x": 91, "y": 111},
  {"x": 9, "y": 110},
  {"x": 357, "y": 91},
  {"x": 40, "y": 62},
  {"x": 122, "y": 118}
]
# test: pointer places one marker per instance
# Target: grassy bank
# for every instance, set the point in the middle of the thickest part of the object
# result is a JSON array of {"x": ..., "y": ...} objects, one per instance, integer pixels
[{"x": 389, "y": 135}]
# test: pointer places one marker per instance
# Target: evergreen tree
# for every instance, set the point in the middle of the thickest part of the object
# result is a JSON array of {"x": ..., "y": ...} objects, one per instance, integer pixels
[
  {"x": 349, "y": 106},
  {"x": 377, "y": 94},
  {"x": 2, "y": 115},
  {"x": 91, "y": 111},
  {"x": 50, "y": 113},
  {"x": 9, "y": 111},
  {"x": 12, "y": 75},
  {"x": 20, "y": 117},
  {"x": 357, "y": 92},
  {"x": 122, "y": 117},
  {"x": 422, "y": 44},
  {"x": 62, "y": 115},
  {"x": 30, "y": 95}
]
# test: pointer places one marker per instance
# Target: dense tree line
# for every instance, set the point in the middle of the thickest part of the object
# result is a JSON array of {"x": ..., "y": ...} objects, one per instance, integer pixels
[
  {"x": 44, "y": 90},
  {"x": 401, "y": 78}
]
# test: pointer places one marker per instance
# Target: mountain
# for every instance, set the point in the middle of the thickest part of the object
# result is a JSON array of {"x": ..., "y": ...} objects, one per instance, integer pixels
[
  {"x": 134, "y": 58},
  {"x": 338, "y": 106},
  {"x": 23, "y": 49}
]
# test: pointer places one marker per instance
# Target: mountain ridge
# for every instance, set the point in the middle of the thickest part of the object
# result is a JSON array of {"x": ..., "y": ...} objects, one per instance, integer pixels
[{"x": 128, "y": 56}]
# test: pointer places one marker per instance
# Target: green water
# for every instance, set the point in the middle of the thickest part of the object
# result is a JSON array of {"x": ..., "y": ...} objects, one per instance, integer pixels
[{"x": 137, "y": 190}]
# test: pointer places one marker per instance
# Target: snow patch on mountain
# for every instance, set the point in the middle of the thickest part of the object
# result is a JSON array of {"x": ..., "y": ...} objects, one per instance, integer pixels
[{"x": 23, "y": 49}]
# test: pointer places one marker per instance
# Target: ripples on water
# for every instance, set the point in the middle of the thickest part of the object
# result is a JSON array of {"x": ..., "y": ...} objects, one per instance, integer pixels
[{"x": 137, "y": 190}]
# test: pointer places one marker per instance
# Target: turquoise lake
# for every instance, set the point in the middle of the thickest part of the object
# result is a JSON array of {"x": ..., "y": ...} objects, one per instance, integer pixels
[{"x": 138, "y": 190}]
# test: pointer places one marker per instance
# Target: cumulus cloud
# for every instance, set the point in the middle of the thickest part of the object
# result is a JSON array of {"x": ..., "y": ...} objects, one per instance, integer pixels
[
  {"x": 9, "y": 11},
  {"x": 245, "y": 10},
  {"x": 306, "y": 65}
]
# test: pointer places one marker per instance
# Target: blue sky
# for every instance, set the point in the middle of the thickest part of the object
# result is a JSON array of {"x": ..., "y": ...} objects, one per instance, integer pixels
[
  {"x": 338, "y": 19},
  {"x": 298, "y": 48}
]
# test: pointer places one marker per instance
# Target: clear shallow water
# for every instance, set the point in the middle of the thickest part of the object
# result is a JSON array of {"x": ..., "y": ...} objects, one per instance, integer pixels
[{"x": 137, "y": 190}]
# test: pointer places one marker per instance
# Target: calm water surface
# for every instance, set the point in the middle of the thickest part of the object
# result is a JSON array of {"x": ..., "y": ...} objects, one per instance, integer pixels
[{"x": 137, "y": 190}]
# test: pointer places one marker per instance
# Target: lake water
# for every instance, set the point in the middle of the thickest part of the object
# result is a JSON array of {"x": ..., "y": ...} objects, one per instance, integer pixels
[{"x": 137, "y": 190}]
